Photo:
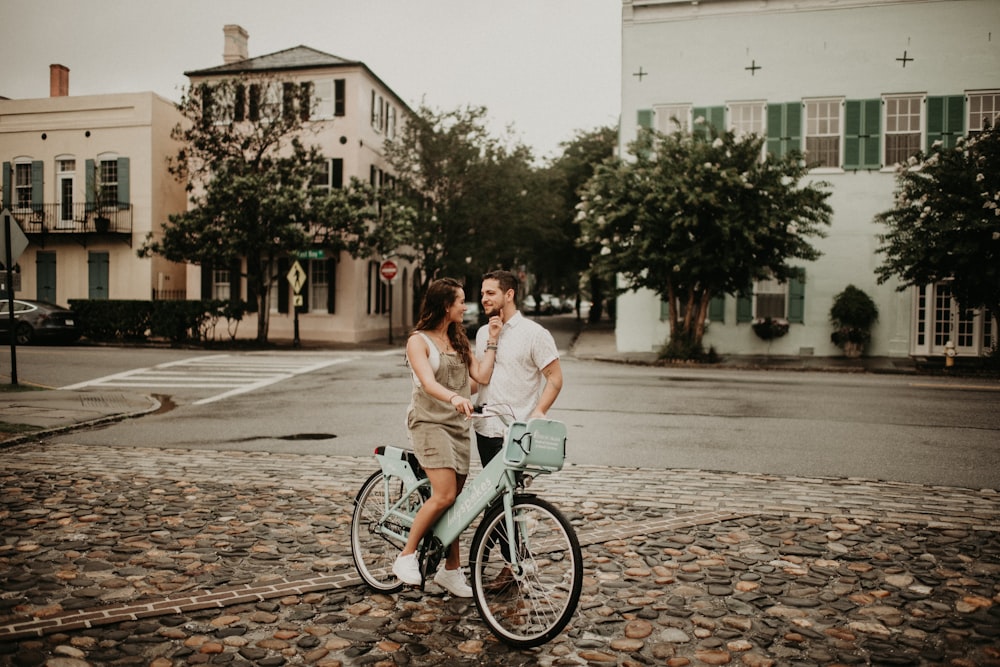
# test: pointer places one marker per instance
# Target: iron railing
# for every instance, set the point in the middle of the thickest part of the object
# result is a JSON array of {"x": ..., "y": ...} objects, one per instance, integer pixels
[{"x": 75, "y": 219}]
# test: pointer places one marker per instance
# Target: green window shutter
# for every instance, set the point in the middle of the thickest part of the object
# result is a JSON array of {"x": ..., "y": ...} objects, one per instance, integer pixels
[
  {"x": 124, "y": 183},
  {"x": 793, "y": 126},
  {"x": 862, "y": 120},
  {"x": 797, "y": 297},
  {"x": 645, "y": 118},
  {"x": 37, "y": 185},
  {"x": 784, "y": 128},
  {"x": 305, "y": 100},
  {"x": 945, "y": 120},
  {"x": 90, "y": 180},
  {"x": 664, "y": 310},
  {"x": 717, "y": 309},
  {"x": 6, "y": 184},
  {"x": 744, "y": 307}
]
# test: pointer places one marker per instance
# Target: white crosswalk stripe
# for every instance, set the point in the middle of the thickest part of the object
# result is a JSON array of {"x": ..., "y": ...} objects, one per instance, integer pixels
[{"x": 234, "y": 374}]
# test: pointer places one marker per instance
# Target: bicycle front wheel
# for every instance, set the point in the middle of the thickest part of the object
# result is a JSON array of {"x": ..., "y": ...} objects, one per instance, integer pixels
[
  {"x": 374, "y": 551},
  {"x": 527, "y": 608}
]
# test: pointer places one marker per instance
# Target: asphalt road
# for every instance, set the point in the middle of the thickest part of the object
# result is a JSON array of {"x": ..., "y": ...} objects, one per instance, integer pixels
[{"x": 888, "y": 427}]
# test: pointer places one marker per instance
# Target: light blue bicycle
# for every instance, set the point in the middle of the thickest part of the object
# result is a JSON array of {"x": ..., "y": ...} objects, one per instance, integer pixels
[{"x": 526, "y": 588}]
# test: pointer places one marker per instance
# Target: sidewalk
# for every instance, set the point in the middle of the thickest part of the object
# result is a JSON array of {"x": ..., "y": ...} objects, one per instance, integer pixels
[{"x": 133, "y": 555}]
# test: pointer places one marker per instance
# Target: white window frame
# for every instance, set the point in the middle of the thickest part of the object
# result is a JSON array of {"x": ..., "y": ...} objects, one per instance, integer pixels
[
  {"x": 665, "y": 113},
  {"x": 938, "y": 318},
  {"x": 823, "y": 120},
  {"x": 903, "y": 116},
  {"x": 21, "y": 184},
  {"x": 748, "y": 118},
  {"x": 324, "y": 99},
  {"x": 221, "y": 285},
  {"x": 106, "y": 167},
  {"x": 65, "y": 171},
  {"x": 319, "y": 285},
  {"x": 770, "y": 287},
  {"x": 982, "y": 105}
]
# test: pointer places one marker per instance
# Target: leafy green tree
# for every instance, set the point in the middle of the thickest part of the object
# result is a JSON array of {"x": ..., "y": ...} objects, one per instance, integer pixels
[
  {"x": 475, "y": 196},
  {"x": 945, "y": 224},
  {"x": 248, "y": 173},
  {"x": 567, "y": 174},
  {"x": 692, "y": 216}
]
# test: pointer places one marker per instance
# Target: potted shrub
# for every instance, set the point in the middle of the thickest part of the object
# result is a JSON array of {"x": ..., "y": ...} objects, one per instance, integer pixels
[{"x": 853, "y": 314}]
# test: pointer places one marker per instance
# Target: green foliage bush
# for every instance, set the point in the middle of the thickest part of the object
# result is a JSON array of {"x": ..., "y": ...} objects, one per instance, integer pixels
[{"x": 133, "y": 320}]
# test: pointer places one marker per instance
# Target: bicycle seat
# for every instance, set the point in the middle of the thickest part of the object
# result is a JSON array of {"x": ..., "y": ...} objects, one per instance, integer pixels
[{"x": 409, "y": 456}]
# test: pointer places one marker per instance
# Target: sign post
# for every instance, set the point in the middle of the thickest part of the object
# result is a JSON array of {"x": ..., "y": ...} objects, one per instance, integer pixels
[
  {"x": 388, "y": 271},
  {"x": 296, "y": 278},
  {"x": 14, "y": 243}
]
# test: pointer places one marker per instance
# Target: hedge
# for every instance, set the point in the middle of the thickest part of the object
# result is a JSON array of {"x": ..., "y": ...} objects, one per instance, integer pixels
[{"x": 133, "y": 320}]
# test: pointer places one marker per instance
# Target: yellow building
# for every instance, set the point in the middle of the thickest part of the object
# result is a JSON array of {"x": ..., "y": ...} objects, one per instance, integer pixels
[{"x": 86, "y": 178}]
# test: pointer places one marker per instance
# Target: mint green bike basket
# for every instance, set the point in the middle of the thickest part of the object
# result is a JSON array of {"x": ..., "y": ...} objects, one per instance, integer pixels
[{"x": 541, "y": 443}]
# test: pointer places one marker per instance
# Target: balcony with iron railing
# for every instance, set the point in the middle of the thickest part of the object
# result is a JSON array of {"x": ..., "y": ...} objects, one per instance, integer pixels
[{"x": 81, "y": 221}]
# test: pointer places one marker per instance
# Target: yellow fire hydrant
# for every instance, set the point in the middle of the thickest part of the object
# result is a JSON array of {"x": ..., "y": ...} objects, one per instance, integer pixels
[{"x": 949, "y": 354}]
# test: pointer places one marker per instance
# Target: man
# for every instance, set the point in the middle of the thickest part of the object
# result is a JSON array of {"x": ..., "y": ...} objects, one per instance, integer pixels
[{"x": 526, "y": 375}]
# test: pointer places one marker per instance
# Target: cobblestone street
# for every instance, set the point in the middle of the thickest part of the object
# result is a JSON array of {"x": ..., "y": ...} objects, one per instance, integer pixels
[{"x": 149, "y": 557}]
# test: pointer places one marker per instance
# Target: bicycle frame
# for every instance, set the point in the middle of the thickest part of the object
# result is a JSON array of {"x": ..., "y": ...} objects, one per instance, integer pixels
[{"x": 498, "y": 479}]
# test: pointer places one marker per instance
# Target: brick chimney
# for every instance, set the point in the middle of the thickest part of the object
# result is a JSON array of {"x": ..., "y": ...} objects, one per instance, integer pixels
[
  {"x": 58, "y": 81},
  {"x": 235, "y": 44}
]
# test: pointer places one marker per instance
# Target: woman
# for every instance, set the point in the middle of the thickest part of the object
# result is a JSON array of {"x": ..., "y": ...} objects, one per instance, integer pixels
[{"x": 444, "y": 370}]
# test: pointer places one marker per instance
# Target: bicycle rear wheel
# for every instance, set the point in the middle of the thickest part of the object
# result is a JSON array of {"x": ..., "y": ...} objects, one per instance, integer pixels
[
  {"x": 527, "y": 609},
  {"x": 373, "y": 551}
]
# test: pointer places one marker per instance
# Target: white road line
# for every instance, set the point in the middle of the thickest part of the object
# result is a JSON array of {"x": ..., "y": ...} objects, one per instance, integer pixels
[{"x": 222, "y": 371}]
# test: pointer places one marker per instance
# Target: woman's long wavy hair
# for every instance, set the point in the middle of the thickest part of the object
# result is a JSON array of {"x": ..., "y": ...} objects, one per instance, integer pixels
[{"x": 441, "y": 294}]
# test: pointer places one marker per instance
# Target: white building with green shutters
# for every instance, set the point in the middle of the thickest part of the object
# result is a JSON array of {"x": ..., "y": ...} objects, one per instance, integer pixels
[{"x": 859, "y": 86}]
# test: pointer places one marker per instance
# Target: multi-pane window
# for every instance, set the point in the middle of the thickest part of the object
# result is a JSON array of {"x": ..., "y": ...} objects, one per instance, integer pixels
[
  {"x": 108, "y": 195},
  {"x": 673, "y": 117},
  {"x": 823, "y": 130},
  {"x": 984, "y": 110},
  {"x": 747, "y": 118},
  {"x": 328, "y": 98},
  {"x": 319, "y": 285},
  {"x": 330, "y": 175},
  {"x": 22, "y": 184},
  {"x": 323, "y": 99},
  {"x": 272, "y": 97},
  {"x": 220, "y": 284},
  {"x": 770, "y": 301},
  {"x": 903, "y": 128}
]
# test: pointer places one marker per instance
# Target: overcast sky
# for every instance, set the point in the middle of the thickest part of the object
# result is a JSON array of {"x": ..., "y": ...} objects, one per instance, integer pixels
[{"x": 547, "y": 67}]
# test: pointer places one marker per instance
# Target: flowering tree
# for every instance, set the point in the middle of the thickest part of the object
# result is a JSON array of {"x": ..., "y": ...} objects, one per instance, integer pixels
[
  {"x": 692, "y": 216},
  {"x": 946, "y": 221}
]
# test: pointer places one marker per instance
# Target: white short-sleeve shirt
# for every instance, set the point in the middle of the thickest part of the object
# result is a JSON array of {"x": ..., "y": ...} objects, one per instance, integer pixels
[{"x": 524, "y": 348}]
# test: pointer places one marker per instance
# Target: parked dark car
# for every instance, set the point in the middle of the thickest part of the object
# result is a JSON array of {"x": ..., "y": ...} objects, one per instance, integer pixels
[{"x": 37, "y": 321}]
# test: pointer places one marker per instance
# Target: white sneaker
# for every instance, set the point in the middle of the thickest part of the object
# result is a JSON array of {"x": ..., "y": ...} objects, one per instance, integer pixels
[
  {"x": 454, "y": 582},
  {"x": 407, "y": 569}
]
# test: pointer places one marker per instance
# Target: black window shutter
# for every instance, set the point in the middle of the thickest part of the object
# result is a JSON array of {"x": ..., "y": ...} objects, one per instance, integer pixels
[
  {"x": 331, "y": 285},
  {"x": 339, "y": 97},
  {"x": 206, "y": 280},
  {"x": 253, "y": 103},
  {"x": 239, "y": 102},
  {"x": 234, "y": 280},
  {"x": 305, "y": 100},
  {"x": 337, "y": 175},
  {"x": 253, "y": 272}
]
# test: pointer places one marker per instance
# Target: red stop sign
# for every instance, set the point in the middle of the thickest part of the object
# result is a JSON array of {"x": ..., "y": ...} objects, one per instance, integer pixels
[{"x": 388, "y": 270}]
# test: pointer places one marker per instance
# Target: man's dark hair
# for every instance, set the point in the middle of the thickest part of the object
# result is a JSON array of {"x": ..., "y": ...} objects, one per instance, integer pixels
[{"x": 505, "y": 279}]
